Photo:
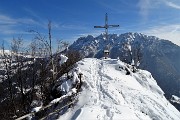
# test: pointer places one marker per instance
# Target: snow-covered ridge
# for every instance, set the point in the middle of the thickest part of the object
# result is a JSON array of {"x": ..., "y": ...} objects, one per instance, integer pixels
[
  {"x": 160, "y": 57},
  {"x": 113, "y": 91}
]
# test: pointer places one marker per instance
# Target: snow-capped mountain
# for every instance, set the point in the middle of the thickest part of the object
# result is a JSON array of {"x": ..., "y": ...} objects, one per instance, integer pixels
[
  {"x": 112, "y": 91},
  {"x": 160, "y": 57}
]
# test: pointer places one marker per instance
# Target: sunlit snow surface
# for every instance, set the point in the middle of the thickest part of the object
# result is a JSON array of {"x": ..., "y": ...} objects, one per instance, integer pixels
[
  {"x": 175, "y": 99},
  {"x": 108, "y": 93},
  {"x": 63, "y": 59}
]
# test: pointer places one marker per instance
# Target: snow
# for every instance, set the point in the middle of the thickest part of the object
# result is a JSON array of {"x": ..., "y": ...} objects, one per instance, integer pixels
[
  {"x": 75, "y": 77},
  {"x": 70, "y": 92},
  {"x": 132, "y": 63},
  {"x": 74, "y": 90},
  {"x": 175, "y": 99},
  {"x": 57, "y": 99},
  {"x": 63, "y": 59},
  {"x": 128, "y": 47},
  {"x": 67, "y": 85},
  {"x": 36, "y": 109},
  {"x": 109, "y": 94},
  {"x": 7, "y": 52},
  {"x": 138, "y": 63},
  {"x": 77, "y": 70}
]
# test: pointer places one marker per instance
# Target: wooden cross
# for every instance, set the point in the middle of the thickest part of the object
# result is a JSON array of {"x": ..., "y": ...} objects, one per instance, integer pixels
[{"x": 106, "y": 26}]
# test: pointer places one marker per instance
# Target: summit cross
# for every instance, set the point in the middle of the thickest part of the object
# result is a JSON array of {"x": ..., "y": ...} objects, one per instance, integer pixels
[{"x": 106, "y": 26}]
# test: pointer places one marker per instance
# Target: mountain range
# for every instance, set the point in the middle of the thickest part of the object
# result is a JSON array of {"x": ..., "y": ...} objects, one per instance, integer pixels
[{"x": 160, "y": 57}]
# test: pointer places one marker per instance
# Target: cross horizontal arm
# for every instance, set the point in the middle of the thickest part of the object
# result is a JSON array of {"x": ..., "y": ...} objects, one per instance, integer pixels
[
  {"x": 99, "y": 26},
  {"x": 113, "y": 25}
]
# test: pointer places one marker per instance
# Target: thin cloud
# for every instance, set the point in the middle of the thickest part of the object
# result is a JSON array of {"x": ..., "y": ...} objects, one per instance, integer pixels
[
  {"x": 39, "y": 21},
  {"x": 168, "y": 32},
  {"x": 72, "y": 27},
  {"x": 11, "y": 25},
  {"x": 111, "y": 7},
  {"x": 144, "y": 6},
  {"x": 93, "y": 33},
  {"x": 6, "y": 20},
  {"x": 173, "y": 5},
  {"x": 32, "y": 13},
  {"x": 115, "y": 6},
  {"x": 75, "y": 37}
]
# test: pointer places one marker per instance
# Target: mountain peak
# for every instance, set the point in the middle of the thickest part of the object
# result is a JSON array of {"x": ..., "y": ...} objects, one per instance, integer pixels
[{"x": 91, "y": 46}]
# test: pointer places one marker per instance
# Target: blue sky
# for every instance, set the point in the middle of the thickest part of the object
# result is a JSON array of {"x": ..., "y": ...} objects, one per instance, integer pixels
[{"x": 75, "y": 18}]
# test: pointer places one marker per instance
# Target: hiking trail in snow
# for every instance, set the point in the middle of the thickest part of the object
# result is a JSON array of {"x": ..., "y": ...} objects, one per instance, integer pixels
[{"x": 109, "y": 94}]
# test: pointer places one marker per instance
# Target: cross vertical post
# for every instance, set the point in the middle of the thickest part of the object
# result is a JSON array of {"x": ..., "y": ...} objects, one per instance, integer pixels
[{"x": 106, "y": 26}]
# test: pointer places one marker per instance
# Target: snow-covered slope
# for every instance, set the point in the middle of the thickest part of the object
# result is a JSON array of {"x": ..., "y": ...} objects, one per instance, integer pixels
[
  {"x": 160, "y": 57},
  {"x": 112, "y": 91}
]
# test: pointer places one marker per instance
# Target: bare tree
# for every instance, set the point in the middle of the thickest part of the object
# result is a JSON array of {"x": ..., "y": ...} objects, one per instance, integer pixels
[
  {"x": 62, "y": 45},
  {"x": 132, "y": 53},
  {"x": 127, "y": 52},
  {"x": 138, "y": 54},
  {"x": 7, "y": 61},
  {"x": 16, "y": 48},
  {"x": 47, "y": 48},
  {"x": 40, "y": 72},
  {"x": 51, "y": 53}
]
